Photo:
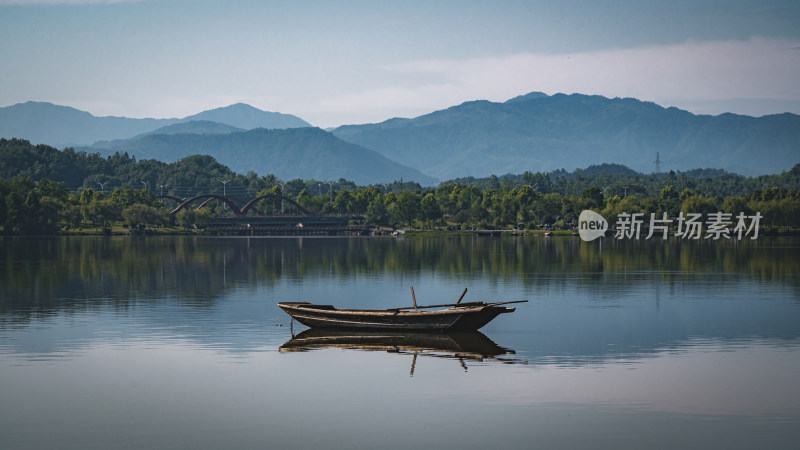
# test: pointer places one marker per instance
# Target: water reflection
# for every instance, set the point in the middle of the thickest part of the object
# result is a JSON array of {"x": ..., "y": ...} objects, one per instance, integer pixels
[
  {"x": 589, "y": 301},
  {"x": 461, "y": 346},
  {"x": 39, "y": 274},
  {"x": 622, "y": 345}
]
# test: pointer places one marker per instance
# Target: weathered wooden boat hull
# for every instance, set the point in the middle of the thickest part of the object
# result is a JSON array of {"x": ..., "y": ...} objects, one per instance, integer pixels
[{"x": 465, "y": 317}]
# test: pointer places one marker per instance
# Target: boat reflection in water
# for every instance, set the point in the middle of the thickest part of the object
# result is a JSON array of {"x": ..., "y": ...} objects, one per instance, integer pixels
[{"x": 462, "y": 346}]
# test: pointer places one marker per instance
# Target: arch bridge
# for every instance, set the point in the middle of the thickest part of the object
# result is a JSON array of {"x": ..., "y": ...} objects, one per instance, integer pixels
[{"x": 231, "y": 202}]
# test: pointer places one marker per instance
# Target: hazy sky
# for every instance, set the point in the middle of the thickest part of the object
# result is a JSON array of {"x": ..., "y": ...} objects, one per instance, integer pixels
[{"x": 334, "y": 63}]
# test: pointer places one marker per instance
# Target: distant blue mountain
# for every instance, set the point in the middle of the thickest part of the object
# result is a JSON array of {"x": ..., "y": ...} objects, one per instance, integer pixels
[
  {"x": 61, "y": 126},
  {"x": 191, "y": 127},
  {"x": 537, "y": 132},
  {"x": 528, "y": 96},
  {"x": 303, "y": 153},
  {"x": 533, "y": 132},
  {"x": 198, "y": 127},
  {"x": 247, "y": 117}
]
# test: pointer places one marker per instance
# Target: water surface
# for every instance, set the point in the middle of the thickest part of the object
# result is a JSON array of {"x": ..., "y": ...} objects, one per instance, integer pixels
[{"x": 176, "y": 342}]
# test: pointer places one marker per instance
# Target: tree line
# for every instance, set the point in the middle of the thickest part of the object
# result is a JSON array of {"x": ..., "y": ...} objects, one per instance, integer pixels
[
  {"x": 46, "y": 206},
  {"x": 119, "y": 189}
]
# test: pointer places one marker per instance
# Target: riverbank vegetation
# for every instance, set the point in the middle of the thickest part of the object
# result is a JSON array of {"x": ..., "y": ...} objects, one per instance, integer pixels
[{"x": 47, "y": 191}]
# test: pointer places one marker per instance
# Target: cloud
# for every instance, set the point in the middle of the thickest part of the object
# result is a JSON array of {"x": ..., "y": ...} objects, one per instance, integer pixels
[{"x": 691, "y": 71}]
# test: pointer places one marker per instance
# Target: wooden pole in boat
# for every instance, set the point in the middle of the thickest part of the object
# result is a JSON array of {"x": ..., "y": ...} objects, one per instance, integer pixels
[
  {"x": 462, "y": 296},
  {"x": 413, "y": 298}
]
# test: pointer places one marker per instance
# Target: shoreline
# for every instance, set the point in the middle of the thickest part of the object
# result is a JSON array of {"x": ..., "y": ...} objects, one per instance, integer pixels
[{"x": 412, "y": 233}]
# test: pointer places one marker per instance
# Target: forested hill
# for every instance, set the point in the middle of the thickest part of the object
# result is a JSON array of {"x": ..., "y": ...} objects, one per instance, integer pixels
[
  {"x": 303, "y": 153},
  {"x": 39, "y": 197},
  {"x": 201, "y": 174},
  {"x": 76, "y": 169},
  {"x": 543, "y": 133},
  {"x": 193, "y": 175},
  {"x": 62, "y": 126}
]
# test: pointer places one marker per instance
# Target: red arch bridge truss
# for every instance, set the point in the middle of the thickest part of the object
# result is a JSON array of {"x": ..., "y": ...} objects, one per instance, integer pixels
[{"x": 239, "y": 207}]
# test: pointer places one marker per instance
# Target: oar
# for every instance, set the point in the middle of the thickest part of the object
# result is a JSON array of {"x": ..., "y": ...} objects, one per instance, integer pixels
[
  {"x": 413, "y": 298},
  {"x": 462, "y": 296},
  {"x": 506, "y": 303},
  {"x": 466, "y": 304}
]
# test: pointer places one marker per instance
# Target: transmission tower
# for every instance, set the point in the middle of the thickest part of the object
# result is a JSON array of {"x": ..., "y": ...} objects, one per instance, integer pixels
[{"x": 657, "y": 162}]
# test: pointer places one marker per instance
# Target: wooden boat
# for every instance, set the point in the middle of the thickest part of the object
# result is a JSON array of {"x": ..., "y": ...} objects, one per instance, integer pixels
[{"x": 445, "y": 317}]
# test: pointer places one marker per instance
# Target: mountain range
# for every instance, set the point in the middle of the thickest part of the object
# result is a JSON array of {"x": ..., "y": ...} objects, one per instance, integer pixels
[
  {"x": 63, "y": 126},
  {"x": 538, "y": 132},
  {"x": 534, "y": 132},
  {"x": 305, "y": 153}
]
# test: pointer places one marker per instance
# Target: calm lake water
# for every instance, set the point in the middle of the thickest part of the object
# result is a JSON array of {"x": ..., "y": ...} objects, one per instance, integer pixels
[{"x": 177, "y": 342}]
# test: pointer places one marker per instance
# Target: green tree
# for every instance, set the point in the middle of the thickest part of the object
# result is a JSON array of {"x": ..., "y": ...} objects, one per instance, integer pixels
[
  {"x": 140, "y": 216},
  {"x": 592, "y": 198},
  {"x": 188, "y": 218},
  {"x": 408, "y": 207},
  {"x": 306, "y": 201},
  {"x": 343, "y": 202},
  {"x": 429, "y": 209},
  {"x": 699, "y": 204},
  {"x": 376, "y": 211},
  {"x": 71, "y": 215},
  {"x": 101, "y": 213},
  {"x": 669, "y": 201}
]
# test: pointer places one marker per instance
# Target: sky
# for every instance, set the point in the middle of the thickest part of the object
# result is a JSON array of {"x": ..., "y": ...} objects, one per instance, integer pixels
[{"x": 350, "y": 62}]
